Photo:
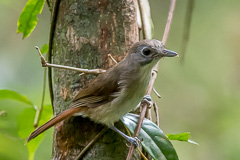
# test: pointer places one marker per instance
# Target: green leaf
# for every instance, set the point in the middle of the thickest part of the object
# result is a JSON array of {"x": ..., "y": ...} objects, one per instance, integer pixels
[
  {"x": 25, "y": 127},
  {"x": 33, "y": 146},
  {"x": 154, "y": 141},
  {"x": 44, "y": 48},
  {"x": 181, "y": 137},
  {"x": 28, "y": 18},
  {"x": 8, "y": 94}
]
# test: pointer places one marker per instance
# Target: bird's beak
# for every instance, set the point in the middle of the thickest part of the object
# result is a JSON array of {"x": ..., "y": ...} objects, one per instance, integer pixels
[{"x": 168, "y": 53}]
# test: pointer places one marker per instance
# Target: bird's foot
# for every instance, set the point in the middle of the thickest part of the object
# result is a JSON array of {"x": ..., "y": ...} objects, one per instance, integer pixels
[
  {"x": 147, "y": 99},
  {"x": 134, "y": 140}
]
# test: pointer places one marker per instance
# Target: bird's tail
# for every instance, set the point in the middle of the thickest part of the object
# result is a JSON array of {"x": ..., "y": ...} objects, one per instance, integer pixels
[{"x": 62, "y": 116}]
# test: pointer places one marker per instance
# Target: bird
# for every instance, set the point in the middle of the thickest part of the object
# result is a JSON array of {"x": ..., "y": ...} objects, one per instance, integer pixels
[{"x": 117, "y": 91}]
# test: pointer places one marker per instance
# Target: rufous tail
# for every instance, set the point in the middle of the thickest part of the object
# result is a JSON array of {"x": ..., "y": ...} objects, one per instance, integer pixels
[{"x": 62, "y": 116}]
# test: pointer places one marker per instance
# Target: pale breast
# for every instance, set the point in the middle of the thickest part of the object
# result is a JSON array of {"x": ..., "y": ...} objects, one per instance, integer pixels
[{"x": 127, "y": 99}]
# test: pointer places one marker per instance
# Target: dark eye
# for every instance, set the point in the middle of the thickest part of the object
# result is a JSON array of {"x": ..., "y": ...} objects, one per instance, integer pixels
[{"x": 146, "y": 52}]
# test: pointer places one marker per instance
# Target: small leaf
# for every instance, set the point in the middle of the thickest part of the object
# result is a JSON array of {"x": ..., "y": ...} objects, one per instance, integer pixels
[
  {"x": 181, "y": 137},
  {"x": 44, "y": 48},
  {"x": 154, "y": 141},
  {"x": 28, "y": 18},
  {"x": 8, "y": 94}
]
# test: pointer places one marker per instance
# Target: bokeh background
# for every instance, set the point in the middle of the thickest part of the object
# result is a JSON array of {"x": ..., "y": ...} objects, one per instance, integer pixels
[{"x": 201, "y": 95}]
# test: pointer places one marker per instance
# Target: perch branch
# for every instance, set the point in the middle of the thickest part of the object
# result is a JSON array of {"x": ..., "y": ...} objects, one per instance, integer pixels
[
  {"x": 154, "y": 76},
  {"x": 86, "y": 71},
  {"x": 129, "y": 134}
]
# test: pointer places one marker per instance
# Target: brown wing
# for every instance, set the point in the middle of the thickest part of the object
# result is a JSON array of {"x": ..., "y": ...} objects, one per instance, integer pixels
[
  {"x": 99, "y": 91},
  {"x": 96, "y": 93}
]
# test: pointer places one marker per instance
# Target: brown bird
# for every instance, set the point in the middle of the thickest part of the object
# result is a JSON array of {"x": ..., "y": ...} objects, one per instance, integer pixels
[{"x": 117, "y": 91}]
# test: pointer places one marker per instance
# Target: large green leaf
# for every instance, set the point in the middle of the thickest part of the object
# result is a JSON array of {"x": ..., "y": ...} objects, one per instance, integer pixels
[
  {"x": 8, "y": 94},
  {"x": 28, "y": 18},
  {"x": 181, "y": 137},
  {"x": 25, "y": 127},
  {"x": 154, "y": 141}
]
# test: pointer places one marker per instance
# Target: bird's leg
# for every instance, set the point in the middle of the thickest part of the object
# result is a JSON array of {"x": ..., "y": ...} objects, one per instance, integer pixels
[
  {"x": 133, "y": 140},
  {"x": 147, "y": 99}
]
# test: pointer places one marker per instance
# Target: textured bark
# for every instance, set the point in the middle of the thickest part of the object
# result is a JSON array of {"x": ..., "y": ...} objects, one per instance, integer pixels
[{"x": 86, "y": 32}]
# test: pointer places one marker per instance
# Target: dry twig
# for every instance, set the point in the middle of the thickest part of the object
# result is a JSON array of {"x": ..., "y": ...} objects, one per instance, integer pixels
[
  {"x": 111, "y": 57},
  {"x": 85, "y": 71},
  {"x": 155, "y": 91},
  {"x": 155, "y": 107},
  {"x": 143, "y": 21}
]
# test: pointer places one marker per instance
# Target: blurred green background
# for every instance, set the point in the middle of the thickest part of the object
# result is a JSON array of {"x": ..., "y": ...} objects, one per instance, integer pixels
[{"x": 201, "y": 96}]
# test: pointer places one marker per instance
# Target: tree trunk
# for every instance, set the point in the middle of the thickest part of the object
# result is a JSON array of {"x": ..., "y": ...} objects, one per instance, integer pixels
[{"x": 86, "y": 32}]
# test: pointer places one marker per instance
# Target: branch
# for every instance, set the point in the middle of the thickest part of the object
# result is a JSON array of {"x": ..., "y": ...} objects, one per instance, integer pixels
[
  {"x": 155, "y": 91},
  {"x": 111, "y": 57},
  {"x": 154, "y": 76},
  {"x": 143, "y": 21},
  {"x": 129, "y": 134},
  {"x": 169, "y": 21},
  {"x": 39, "y": 110},
  {"x": 85, "y": 71},
  {"x": 155, "y": 107}
]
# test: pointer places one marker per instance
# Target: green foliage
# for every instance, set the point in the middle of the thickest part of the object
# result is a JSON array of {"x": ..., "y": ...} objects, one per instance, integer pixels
[
  {"x": 154, "y": 141},
  {"x": 26, "y": 119},
  {"x": 8, "y": 94},
  {"x": 25, "y": 127},
  {"x": 28, "y": 18},
  {"x": 44, "y": 48},
  {"x": 181, "y": 137}
]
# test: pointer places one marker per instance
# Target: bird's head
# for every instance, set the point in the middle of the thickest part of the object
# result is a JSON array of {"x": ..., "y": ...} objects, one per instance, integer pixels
[{"x": 149, "y": 52}]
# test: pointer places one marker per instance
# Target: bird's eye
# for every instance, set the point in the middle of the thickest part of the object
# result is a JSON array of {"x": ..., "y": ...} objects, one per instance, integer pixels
[{"x": 146, "y": 52}]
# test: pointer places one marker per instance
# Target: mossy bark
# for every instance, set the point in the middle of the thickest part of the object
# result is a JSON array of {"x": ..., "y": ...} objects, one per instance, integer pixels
[{"x": 86, "y": 32}]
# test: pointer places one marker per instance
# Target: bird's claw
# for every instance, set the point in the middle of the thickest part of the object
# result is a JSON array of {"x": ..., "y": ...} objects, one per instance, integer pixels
[
  {"x": 135, "y": 141},
  {"x": 147, "y": 99}
]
